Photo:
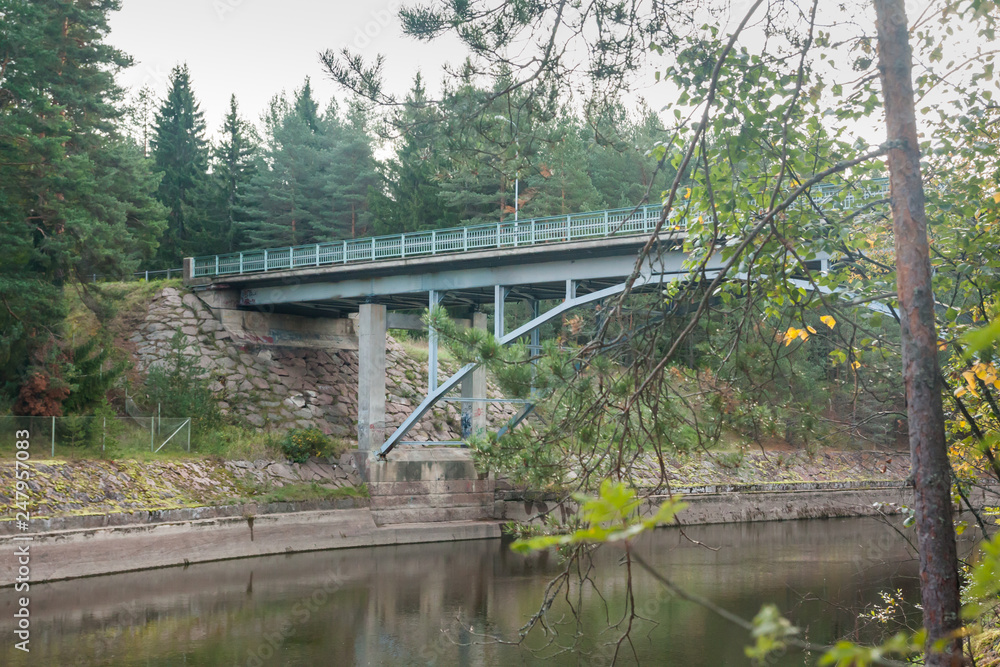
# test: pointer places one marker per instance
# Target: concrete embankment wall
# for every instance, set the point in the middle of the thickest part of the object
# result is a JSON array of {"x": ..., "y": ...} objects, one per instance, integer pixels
[
  {"x": 741, "y": 503},
  {"x": 86, "y": 552},
  {"x": 216, "y": 534}
]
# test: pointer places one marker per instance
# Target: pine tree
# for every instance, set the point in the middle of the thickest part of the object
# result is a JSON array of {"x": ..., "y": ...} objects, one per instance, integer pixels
[
  {"x": 353, "y": 173},
  {"x": 180, "y": 152},
  {"x": 409, "y": 197},
  {"x": 617, "y": 161},
  {"x": 283, "y": 197},
  {"x": 561, "y": 183},
  {"x": 319, "y": 170},
  {"x": 75, "y": 196}
]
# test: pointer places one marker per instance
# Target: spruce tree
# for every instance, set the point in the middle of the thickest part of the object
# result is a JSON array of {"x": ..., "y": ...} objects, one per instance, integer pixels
[
  {"x": 75, "y": 196},
  {"x": 219, "y": 203},
  {"x": 180, "y": 153}
]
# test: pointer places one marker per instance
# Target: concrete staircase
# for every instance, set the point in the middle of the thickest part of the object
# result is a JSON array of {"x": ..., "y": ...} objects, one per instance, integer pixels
[{"x": 428, "y": 484}]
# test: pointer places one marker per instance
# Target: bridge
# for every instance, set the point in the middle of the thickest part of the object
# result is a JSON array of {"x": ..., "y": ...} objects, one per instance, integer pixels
[{"x": 320, "y": 294}]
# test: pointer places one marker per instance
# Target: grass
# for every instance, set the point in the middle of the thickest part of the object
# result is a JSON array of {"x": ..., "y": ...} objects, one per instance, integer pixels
[
  {"x": 311, "y": 491},
  {"x": 126, "y": 439},
  {"x": 986, "y": 647},
  {"x": 128, "y": 299},
  {"x": 419, "y": 352}
]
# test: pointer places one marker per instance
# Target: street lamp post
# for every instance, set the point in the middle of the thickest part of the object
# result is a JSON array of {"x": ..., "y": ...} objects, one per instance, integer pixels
[{"x": 517, "y": 164}]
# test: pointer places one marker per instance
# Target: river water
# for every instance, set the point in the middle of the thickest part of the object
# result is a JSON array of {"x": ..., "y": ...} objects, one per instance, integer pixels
[{"x": 456, "y": 603}]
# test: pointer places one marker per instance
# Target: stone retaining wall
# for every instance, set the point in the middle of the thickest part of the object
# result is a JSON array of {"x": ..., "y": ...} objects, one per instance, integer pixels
[{"x": 287, "y": 387}]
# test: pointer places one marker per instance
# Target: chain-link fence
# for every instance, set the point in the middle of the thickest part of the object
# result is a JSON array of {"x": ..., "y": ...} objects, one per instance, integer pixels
[
  {"x": 161, "y": 274},
  {"x": 87, "y": 435}
]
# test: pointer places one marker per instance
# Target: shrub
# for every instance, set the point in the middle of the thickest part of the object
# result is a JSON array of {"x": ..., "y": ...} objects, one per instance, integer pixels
[
  {"x": 301, "y": 443},
  {"x": 180, "y": 389}
]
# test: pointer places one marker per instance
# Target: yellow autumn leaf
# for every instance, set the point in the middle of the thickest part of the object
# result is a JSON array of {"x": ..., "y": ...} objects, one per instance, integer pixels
[
  {"x": 856, "y": 365},
  {"x": 960, "y": 392},
  {"x": 996, "y": 197},
  {"x": 828, "y": 321},
  {"x": 942, "y": 346},
  {"x": 811, "y": 330},
  {"x": 791, "y": 335},
  {"x": 687, "y": 193},
  {"x": 700, "y": 220}
]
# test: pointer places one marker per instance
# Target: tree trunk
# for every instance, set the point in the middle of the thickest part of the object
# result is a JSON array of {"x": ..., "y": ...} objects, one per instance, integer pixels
[{"x": 928, "y": 449}]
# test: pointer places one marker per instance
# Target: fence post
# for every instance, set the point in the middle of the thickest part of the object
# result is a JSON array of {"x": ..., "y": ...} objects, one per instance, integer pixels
[
  {"x": 317, "y": 254},
  {"x": 189, "y": 435},
  {"x": 104, "y": 433},
  {"x": 241, "y": 263},
  {"x": 373, "y": 248},
  {"x": 265, "y": 259},
  {"x": 216, "y": 265},
  {"x": 291, "y": 257},
  {"x": 402, "y": 246},
  {"x": 53, "y": 437},
  {"x": 147, "y": 276},
  {"x": 606, "y": 222},
  {"x": 465, "y": 239},
  {"x": 345, "y": 252},
  {"x": 567, "y": 228},
  {"x": 434, "y": 242},
  {"x": 532, "y": 232},
  {"x": 152, "y": 427}
]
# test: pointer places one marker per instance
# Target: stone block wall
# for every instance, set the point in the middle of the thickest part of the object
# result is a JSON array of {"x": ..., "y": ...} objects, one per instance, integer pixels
[{"x": 287, "y": 387}]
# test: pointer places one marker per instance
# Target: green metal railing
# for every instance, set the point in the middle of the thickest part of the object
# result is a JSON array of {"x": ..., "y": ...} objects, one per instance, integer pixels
[{"x": 511, "y": 234}]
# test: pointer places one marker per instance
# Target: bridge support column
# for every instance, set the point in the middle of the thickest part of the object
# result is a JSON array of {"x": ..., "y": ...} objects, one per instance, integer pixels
[
  {"x": 535, "y": 334},
  {"x": 536, "y": 340},
  {"x": 371, "y": 376},
  {"x": 474, "y": 386},
  {"x": 434, "y": 298},
  {"x": 499, "y": 296}
]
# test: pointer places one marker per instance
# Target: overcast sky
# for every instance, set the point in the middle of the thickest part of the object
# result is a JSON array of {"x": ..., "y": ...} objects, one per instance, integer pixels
[{"x": 257, "y": 48}]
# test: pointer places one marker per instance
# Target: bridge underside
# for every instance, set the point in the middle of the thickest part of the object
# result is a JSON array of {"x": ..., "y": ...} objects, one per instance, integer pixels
[
  {"x": 455, "y": 300},
  {"x": 376, "y": 295},
  {"x": 535, "y": 273}
]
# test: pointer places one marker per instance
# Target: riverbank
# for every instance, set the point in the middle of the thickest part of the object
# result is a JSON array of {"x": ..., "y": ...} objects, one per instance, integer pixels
[
  {"x": 192, "y": 536},
  {"x": 100, "y": 517}
]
